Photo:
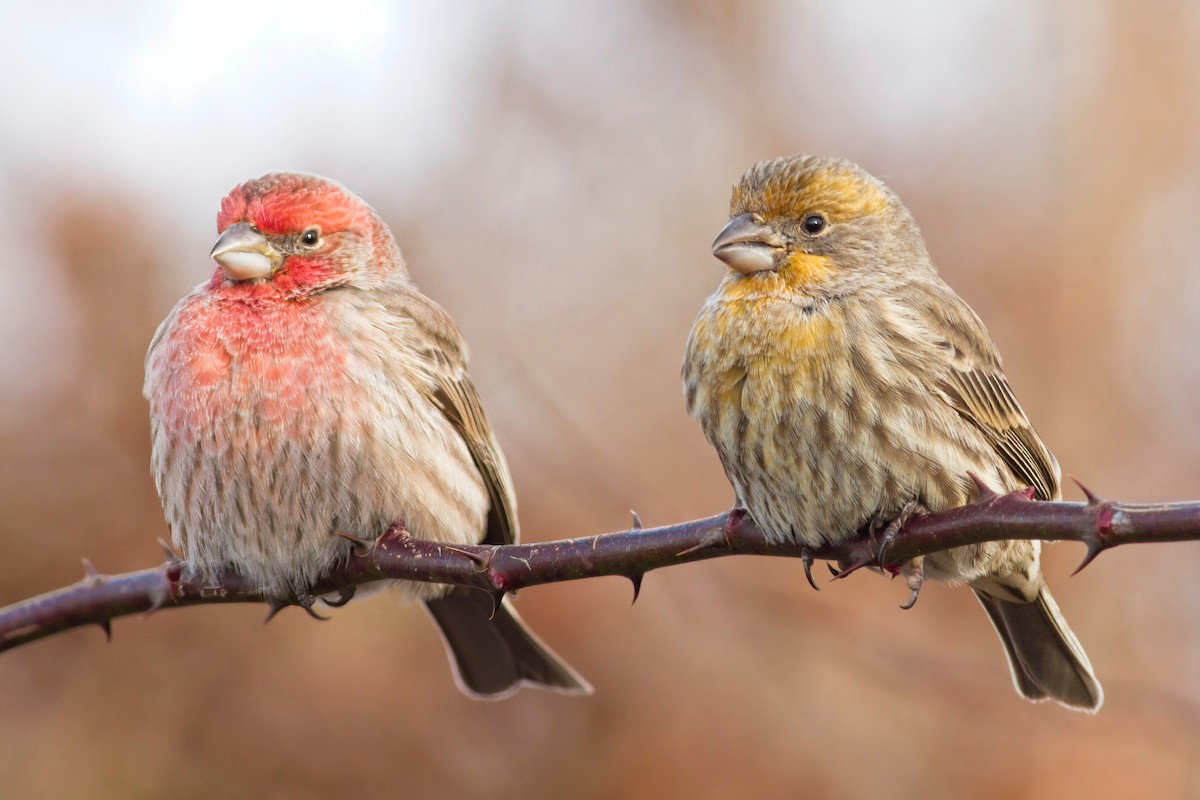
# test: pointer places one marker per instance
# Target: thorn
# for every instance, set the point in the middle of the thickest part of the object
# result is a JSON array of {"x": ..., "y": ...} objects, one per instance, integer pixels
[
  {"x": 709, "y": 540},
  {"x": 89, "y": 572},
  {"x": 986, "y": 492},
  {"x": 479, "y": 560},
  {"x": 861, "y": 559},
  {"x": 1028, "y": 492},
  {"x": 158, "y": 601},
  {"x": 106, "y": 626},
  {"x": 274, "y": 605},
  {"x": 361, "y": 547},
  {"x": 345, "y": 595},
  {"x": 172, "y": 556},
  {"x": 1092, "y": 498},
  {"x": 1094, "y": 548},
  {"x": 497, "y": 600},
  {"x": 163, "y": 593},
  {"x": 637, "y": 521},
  {"x": 806, "y": 558},
  {"x": 636, "y": 580}
]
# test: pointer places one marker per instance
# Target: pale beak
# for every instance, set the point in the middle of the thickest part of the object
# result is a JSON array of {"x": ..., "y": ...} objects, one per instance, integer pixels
[
  {"x": 245, "y": 254},
  {"x": 747, "y": 245}
]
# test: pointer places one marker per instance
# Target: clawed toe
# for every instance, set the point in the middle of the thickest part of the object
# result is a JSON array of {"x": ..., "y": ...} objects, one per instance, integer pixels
[
  {"x": 914, "y": 576},
  {"x": 806, "y": 558},
  {"x": 345, "y": 595},
  {"x": 911, "y": 508}
]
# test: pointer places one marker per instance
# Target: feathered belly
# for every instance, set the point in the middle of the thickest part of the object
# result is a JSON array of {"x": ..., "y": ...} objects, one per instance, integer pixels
[
  {"x": 821, "y": 431},
  {"x": 267, "y": 446}
]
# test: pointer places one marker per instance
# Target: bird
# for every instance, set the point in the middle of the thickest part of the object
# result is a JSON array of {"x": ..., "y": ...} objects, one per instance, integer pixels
[
  {"x": 844, "y": 384},
  {"x": 308, "y": 394}
]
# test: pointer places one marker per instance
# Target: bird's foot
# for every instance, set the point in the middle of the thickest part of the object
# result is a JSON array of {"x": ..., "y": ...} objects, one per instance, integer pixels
[
  {"x": 911, "y": 509},
  {"x": 806, "y": 558},
  {"x": 914, "y": 576},
  {"x": 306, "y": 600}
]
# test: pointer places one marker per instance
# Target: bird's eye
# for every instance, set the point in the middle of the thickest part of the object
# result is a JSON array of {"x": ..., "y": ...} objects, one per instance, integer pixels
[
  {"x": 310, "y": 237},
  {"x": 814, "y": 223}
]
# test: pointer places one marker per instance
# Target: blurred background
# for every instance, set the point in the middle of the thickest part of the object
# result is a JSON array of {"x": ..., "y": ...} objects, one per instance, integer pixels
[{"x": 555, "y": 177}]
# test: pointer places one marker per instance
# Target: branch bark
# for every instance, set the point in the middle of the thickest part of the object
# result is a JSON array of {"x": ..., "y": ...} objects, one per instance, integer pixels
[{"x": 1099, "y": 524}]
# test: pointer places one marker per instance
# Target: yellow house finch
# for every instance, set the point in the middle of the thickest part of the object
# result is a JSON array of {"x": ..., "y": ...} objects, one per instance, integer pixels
[
  {"x": 308, "y": 389},
  {"x": 843, "y": 383}
]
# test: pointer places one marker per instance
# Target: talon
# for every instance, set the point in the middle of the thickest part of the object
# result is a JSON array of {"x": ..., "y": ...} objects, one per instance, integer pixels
[
  {"x": 806, "y": 558},
  {"x": 305, "y": 600},
  {"x": 345, "y": 595},
  {"x": 914, "y": 576}
]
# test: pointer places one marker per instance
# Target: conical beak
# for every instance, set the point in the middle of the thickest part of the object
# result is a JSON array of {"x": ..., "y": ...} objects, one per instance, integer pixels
[
  {"x": 747, "y": 245},
  {"x": 245, "y": 254}
]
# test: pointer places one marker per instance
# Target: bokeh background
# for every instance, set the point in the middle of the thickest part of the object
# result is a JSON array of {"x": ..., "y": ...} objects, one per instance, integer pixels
[{"x": 555, "y": 174}]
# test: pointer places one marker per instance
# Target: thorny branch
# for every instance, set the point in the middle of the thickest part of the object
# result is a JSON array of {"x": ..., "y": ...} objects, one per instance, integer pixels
[{"x": 1099, "y": 524}]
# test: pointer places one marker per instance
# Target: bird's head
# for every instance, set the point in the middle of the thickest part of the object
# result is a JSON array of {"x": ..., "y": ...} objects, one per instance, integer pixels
[
  {"x": 301, "y": 234},
  {"x": 815, "y": 224}
]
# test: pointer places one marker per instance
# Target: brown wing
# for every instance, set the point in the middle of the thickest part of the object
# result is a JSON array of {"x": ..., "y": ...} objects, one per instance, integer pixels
[
  {"x": 974, "y": 384},
  {"x": 444, "y": 354}
]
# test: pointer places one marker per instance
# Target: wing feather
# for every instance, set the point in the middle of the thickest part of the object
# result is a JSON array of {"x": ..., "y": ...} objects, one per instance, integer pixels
[
  {"x": 974, "y": 384},
  {"x": 444, "y": 355}
]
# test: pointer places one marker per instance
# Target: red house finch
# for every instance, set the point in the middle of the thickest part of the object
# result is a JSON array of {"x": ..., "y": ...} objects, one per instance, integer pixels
[
  {"x": 309, "y": 389},
  {"x": 842, "y": 383}
]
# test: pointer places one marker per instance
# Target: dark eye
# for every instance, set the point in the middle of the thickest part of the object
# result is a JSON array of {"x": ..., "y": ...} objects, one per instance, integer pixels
[
  {"x": 310, "y": 237},
  {"x": 814, "y": 223}
]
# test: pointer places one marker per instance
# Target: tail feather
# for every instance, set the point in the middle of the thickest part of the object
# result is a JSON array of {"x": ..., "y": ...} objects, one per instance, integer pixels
[
  {"x": 1046, "y": 659},
  {"x": 494, "y": 654}
]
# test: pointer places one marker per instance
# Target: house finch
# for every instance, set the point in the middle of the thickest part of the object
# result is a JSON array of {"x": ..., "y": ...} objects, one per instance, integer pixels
[
  {"x": 309, "y": 389},
  {"x": 843, "y": 383}
]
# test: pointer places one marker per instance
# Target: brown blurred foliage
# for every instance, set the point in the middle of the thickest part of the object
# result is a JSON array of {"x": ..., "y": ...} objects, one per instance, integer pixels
[{"x": 1050, "y": 155}]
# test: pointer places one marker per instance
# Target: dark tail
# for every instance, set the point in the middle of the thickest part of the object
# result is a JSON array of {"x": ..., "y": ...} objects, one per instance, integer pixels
[
  {"x": 1046, "y": 659},
  {"x": 493, "y": 655}
]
